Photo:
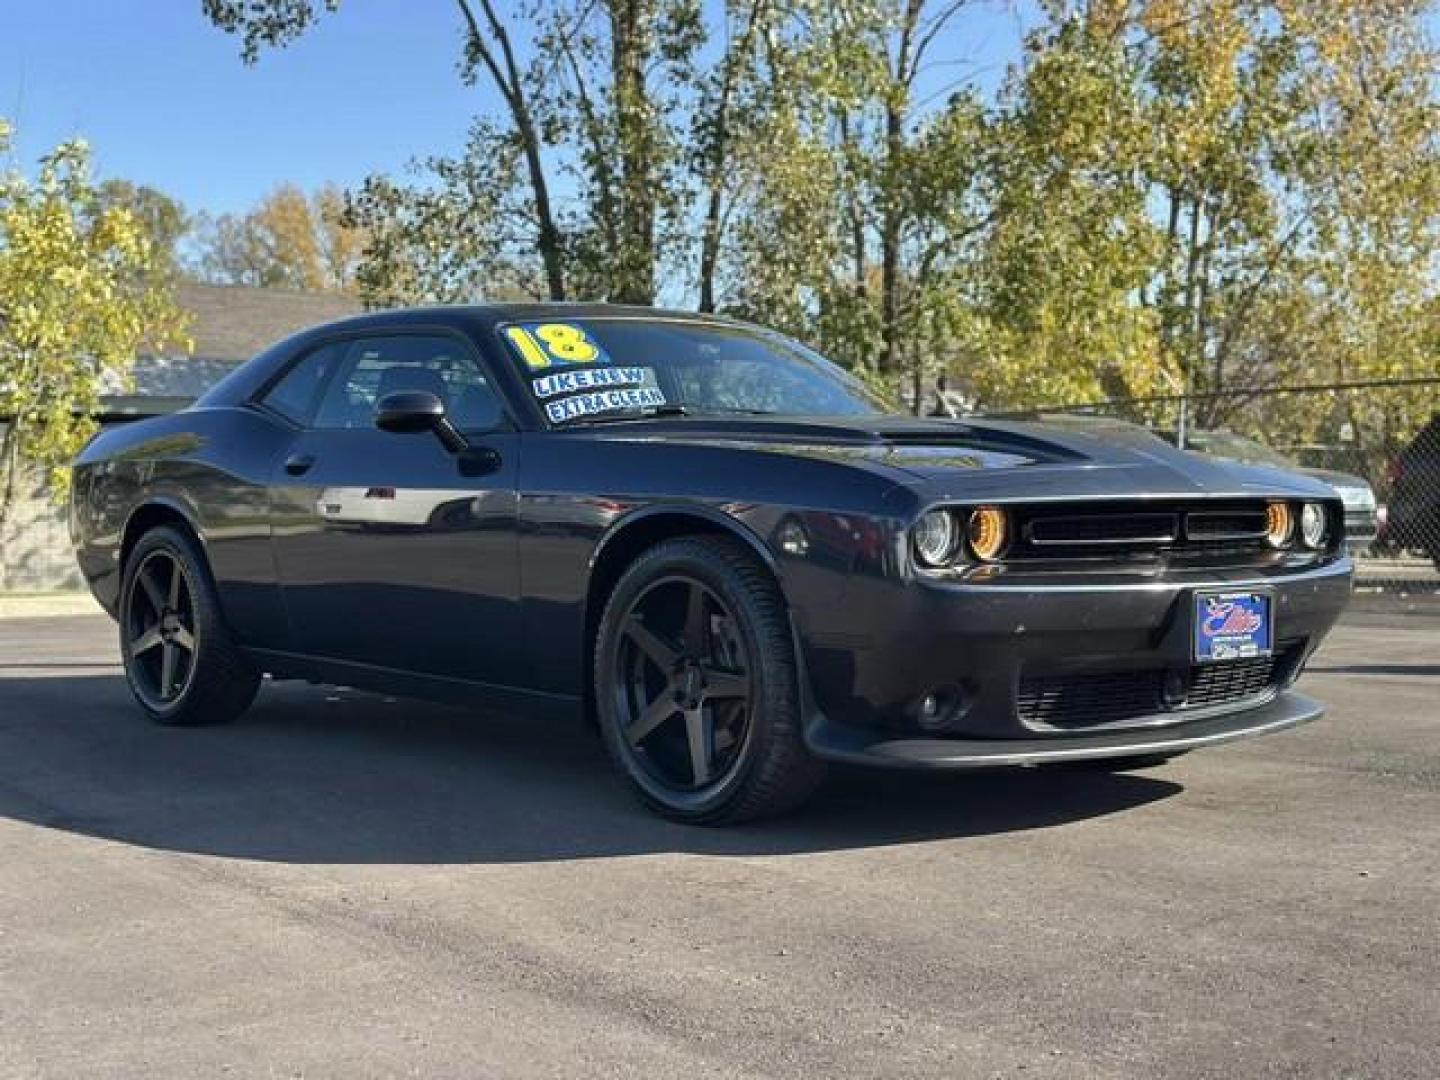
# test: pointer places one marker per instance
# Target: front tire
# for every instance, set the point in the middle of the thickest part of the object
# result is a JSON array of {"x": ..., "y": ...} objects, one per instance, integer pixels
[
  {"x": 180, "y": 661},
  {"x": 697, "y": 685}
]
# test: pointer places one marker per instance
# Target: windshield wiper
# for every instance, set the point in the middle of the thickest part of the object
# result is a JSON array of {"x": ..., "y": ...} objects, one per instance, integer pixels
[
  {"x": 665, "y": 411},
  {"x": 631, "y": 417}
]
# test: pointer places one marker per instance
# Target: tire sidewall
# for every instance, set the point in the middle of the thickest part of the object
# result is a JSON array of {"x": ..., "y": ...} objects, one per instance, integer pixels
[{"x": 683, "y": 558}]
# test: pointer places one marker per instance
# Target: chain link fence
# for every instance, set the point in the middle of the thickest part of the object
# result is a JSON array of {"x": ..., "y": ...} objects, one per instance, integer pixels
[{"x": 1376, "y": 443}]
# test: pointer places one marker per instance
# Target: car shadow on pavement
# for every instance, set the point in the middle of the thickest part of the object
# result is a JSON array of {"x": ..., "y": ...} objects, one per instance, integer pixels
[{"x": 320, "y": 775}]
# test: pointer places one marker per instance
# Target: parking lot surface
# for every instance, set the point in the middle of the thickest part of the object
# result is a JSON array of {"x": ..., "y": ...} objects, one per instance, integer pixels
[{"x": 344, "y": 885}]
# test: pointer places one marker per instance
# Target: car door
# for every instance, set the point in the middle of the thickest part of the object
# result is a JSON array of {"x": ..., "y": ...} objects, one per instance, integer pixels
[{"x": 391, "y": 550}]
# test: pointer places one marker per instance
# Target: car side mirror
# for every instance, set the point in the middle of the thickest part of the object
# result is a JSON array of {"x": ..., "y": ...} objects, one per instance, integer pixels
[{"x": 408, "y": 412}]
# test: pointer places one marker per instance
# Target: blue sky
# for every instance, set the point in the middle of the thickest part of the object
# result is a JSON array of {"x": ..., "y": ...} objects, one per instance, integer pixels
[{"x": 163, "y": 98}]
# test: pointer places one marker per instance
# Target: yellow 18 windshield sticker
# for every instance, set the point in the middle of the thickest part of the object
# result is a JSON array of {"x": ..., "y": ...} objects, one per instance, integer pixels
[{"x": 543, "y": 345}]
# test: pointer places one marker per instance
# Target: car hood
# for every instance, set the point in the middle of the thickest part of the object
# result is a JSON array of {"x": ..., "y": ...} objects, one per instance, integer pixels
[{"x": 975, "y": 459}]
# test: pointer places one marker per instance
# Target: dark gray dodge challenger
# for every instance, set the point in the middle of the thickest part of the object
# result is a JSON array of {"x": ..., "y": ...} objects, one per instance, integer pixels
[{"x": 709, "y": 541}]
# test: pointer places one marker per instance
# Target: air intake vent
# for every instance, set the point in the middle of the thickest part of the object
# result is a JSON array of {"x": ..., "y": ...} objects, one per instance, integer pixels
[
  {"x": 1112, "y": 698},
  {"x": 1225, "y": 524},
  {"x": 1104, "y": 529}
]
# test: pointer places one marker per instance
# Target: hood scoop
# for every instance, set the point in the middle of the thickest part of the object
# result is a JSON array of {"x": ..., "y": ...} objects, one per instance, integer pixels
[
  {"x": 908, "y": 442},
  {"x": 949, "y": 436},
  {"x": 942, "y": 437}
]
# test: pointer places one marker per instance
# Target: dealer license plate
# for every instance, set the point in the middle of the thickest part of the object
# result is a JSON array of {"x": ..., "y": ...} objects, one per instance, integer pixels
[{"x": 1232, "y": 625}]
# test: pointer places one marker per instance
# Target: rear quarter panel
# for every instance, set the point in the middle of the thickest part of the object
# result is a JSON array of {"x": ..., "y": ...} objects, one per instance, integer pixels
[{"x": 212, "y": 467}]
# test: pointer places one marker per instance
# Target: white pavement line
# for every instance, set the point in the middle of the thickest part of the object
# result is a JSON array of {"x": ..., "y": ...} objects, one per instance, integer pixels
[{"x": 40, "y": 605}]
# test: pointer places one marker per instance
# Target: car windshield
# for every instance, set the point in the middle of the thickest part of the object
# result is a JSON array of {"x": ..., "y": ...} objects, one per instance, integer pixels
[
  {"x": 1236, "y": 447},
  {"x": 597, "y": 370}
]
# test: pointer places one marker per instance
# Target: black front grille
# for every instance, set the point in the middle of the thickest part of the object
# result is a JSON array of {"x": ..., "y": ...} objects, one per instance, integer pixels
[
  {"x": 1227, "y": 681},
  {"x": 1089, "y": 700},
  {"x": 1107, "y": 698},
  {"x": 1226, "y": 525},
  {"x": 1132, "y": 528},
  {"x": 1104, "y": 529}
]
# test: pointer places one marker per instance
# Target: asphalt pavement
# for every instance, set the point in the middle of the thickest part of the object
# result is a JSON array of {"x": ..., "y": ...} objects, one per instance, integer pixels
[{"x": 344, "y": 885}]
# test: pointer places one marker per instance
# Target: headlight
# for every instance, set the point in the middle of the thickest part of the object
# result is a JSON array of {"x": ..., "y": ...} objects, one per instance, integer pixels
[
  {"x": 1313, "y": 525},
  {"x": 988, "y": 530},
  {"x": 935, "y": 538},
  {"x": 1279, "y": 524}
]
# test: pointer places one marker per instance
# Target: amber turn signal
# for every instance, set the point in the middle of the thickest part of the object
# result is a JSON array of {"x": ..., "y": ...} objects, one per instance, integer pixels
[
  {"x": 1279, "y": 524},
  {"x": 988, "y": 531}
]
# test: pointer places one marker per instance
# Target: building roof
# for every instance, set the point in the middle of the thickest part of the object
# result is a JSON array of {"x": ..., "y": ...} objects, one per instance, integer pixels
[
  {"x": 231, "y": 323},
  {"x": 228, "y": 325}
]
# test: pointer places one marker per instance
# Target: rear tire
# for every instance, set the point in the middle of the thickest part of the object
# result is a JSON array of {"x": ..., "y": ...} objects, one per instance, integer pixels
[
  {"x": 697, "y": 685},
  {"x": 182, "y": 665}
]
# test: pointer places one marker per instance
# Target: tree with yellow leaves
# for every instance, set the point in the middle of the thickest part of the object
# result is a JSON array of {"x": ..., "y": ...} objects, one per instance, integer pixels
[
  {"x": 80, "y": 295},
  {"x": 289, "y": 240}
]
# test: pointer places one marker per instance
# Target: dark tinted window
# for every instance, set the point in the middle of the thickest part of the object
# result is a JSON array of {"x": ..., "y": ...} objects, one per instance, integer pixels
[
  {"x": 375, "y": 367},
  {"x": 296, "y": 394},
  {"x": 581, "y": 369}
]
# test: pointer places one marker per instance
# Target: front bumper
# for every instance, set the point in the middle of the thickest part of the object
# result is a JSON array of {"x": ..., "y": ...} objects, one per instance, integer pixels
[
  {"x": 859, "y": 746},
  {"x": 996, "y": 639}
]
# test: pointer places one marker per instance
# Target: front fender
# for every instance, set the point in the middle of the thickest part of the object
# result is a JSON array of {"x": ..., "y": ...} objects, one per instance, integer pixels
[{"x": 712, "y": 515}]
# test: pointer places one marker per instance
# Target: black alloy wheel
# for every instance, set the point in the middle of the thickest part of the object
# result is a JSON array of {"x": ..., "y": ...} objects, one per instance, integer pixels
[
  {"x": 160, "y": 640},
  {"x": 696, "y": 685},
  {"x": 684, "y": 684},
  {"x": 180, "y": 661}
]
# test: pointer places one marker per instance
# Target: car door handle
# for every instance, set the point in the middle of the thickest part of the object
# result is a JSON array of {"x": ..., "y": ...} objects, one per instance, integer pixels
[
  {"x": 479, "y": 461},
  {"x": 299, "y": 464}
]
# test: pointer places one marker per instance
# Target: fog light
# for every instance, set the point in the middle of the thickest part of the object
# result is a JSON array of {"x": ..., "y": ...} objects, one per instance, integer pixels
[{"x": 942, "y": 707}]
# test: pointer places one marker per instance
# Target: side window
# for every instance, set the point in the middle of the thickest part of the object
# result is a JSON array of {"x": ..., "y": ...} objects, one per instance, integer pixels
[
  {"x": 375, "y": 367},
  {"x": 296, "y": 394}
]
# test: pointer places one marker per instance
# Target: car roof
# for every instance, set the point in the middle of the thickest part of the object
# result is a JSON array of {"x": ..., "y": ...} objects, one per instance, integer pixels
[
  {"x": 517, "y": 312},
  {"x": 476, "y": 319}
]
